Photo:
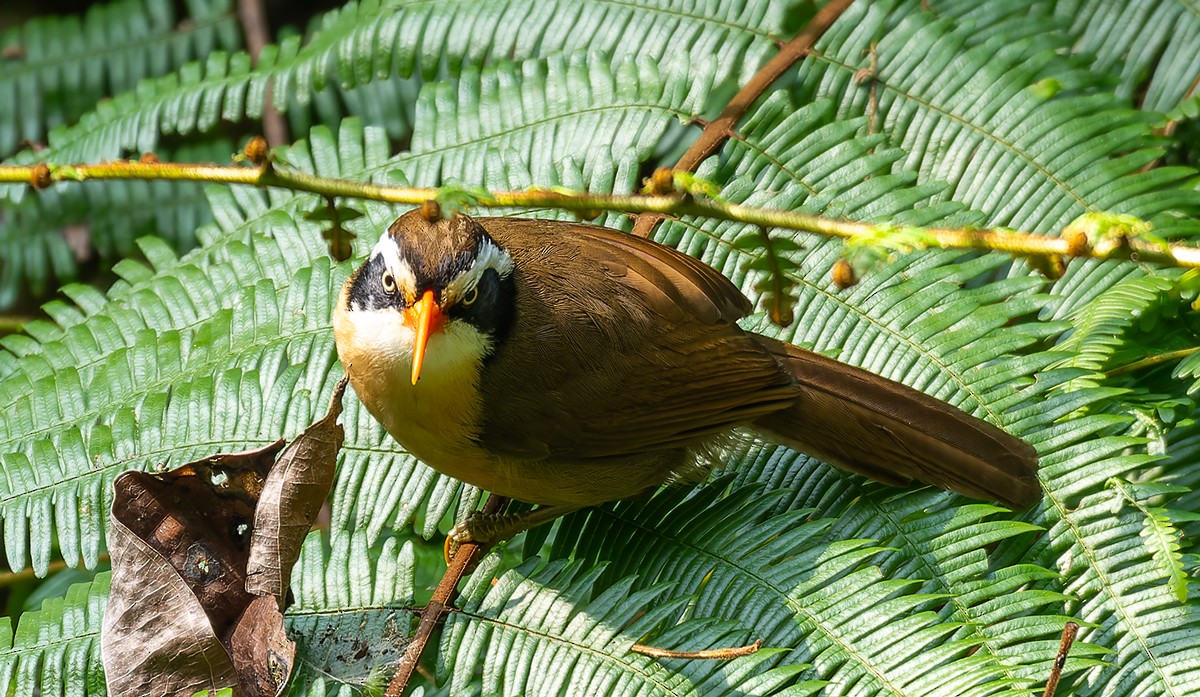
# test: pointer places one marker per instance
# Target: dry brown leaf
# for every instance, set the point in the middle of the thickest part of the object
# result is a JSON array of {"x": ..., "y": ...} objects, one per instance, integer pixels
[
  {"x": 156, "y": 638},
  {"x": 202, "y": 557},
  {"x": 291, "y": 499},
  {"x": 263, "y": 655},
  {"x": 179, "y": 547}
]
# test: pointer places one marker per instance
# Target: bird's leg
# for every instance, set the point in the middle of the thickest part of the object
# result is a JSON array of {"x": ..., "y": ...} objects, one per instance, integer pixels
[{"x": 489, "y": 528}]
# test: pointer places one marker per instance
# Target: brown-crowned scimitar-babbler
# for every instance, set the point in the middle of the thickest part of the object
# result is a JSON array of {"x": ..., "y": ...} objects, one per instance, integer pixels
[{"x": 569, "y": 364}]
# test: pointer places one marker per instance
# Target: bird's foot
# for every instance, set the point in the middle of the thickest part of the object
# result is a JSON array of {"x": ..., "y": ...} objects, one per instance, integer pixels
[{"x": 486, "y": 529}]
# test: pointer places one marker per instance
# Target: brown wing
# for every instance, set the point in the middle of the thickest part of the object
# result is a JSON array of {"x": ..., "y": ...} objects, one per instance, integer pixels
[{"x": 619, "y": 346}]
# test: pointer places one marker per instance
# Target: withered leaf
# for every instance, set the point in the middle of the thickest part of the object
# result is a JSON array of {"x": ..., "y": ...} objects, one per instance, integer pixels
[
  {"x": 156, "y": 638},
  {"x": 262, "y": 654},
  {"x": 179, "y": 546},
  {"x": 291, "y": 499},
  {"x": 334, "y": 218}
]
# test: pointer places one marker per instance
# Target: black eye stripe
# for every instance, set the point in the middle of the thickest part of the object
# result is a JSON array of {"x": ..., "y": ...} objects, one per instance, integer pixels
[{"x": 366, "y": 289}]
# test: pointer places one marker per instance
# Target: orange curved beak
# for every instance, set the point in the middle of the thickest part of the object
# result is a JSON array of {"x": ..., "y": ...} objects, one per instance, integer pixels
[{"x": 425, "y": 318}]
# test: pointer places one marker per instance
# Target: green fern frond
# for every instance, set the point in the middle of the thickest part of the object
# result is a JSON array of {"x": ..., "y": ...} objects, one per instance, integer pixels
[
  {"x": 832, "y": 319},
  {"x": 1189, "y": 368},
  {"x": 46, "y": 238},
  {"x": 565, "y": 102},
  {"x": 104, "y": 398},
  {"x": 834, "y": 169},
  {"x": 1101, "y": 326},
  {"x": 793, "y": 156},
  {"x": 1160, "y": 534},
  {"x": 1084, "y": 281},
  {"x": 1014, "y": 613},
  {"x": 61, "y": 66},
  {"x": 1129, "y": 337},
  {"x": 1181, "y": 453},
  {"x": 574, "y": 634},
  {"x": 789, "y": 582},
  {"x": 1108, "y": 566},
  {"x": 193, "y": 100},
  {"x": 56, "y": 650},
  {"x": 989, "y": 19},
  {"x": 974, "y": 116},
  {"x": 629, "y": 108},
  {"x": 348, "y": 50},
  {"x": 352, "y": 46},
  {"x": 1151, "y": 46},
  {"x": 352, "y": 610},
  {"x": 1098, "y": 550},
  {"x": 1026, "y": 134}
]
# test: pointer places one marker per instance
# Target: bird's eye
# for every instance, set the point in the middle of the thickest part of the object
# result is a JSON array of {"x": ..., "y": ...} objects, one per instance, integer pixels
[
  {"x": 389, "y": 282},
  {"x": 470, "y": 296}
]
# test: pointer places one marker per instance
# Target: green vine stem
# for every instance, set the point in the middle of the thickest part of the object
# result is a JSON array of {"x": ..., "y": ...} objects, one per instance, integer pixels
[
  {"x": 1094, "y": 235},
  {"x": 1153, "y": 361}
]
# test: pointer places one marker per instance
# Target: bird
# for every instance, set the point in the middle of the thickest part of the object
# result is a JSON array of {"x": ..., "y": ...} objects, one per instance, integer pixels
[{"x": 566, "y": 364}]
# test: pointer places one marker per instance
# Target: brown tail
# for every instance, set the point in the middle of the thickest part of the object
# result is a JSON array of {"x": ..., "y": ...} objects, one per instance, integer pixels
[{"x": 892, "y": 433}]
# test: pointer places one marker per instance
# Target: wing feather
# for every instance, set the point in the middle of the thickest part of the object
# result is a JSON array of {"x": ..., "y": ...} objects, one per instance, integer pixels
[{"x": 627, "y": 346}]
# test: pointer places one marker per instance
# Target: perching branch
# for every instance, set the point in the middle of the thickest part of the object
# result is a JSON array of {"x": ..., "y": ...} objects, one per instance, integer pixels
[
  {"x": 1094, "y": 236},
  {"x": 435, "y": 611}
]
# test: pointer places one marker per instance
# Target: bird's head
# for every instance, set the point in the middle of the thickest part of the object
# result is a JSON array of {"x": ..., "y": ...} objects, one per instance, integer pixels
[{"x": 439, "y": 286}]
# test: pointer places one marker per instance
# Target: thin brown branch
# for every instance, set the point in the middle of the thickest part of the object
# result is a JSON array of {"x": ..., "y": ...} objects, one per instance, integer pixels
[
  {"x": 709, "y": 654},
  {"x": 439, "y": 605},
  {"x": 1064, "y": 648},
  {"x": 254, "y": 25},
  {"x": 717, "y": 131},
  {"x": 869, "y": 74}
]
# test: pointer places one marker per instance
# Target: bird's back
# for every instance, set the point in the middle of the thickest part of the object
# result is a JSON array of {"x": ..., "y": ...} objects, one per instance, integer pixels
[
  {"x": 646, "y": 310},
  {"x": 564, "y": 393}
]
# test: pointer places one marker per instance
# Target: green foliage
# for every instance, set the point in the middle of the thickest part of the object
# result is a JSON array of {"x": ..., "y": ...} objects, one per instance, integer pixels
[
  {"x": 1161, "y": 536},
  {"x": 1134, "y": 305},
  {"x": 562, "y": 621},
  {"x": 1147, "y": 45},
  {"x": 57, "y": 648},
  {"x": 53, "y": 238},
  {"x": 57, "y": 68},
  {"x": 60, "y": 68},
  {"x": 960, "y": 100},
  {"x": 975, "y": 114}
]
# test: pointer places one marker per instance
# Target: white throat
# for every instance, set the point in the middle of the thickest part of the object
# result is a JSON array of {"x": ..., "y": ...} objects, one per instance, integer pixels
[{"x": 436, "y": 419}]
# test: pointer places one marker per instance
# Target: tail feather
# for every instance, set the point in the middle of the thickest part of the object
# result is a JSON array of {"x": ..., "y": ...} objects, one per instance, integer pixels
[{"x": 892, "y": 433}]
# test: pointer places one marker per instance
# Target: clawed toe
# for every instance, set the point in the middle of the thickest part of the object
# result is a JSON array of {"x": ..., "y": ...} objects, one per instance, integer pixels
[{"x": 486, "y": 529}]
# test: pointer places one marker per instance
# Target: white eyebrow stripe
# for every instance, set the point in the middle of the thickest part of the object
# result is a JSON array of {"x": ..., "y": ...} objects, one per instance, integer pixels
[
  {"x": 488, "y": 256},
  {"x": 389, "y": 249}
]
